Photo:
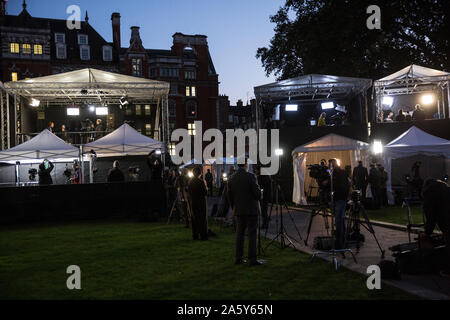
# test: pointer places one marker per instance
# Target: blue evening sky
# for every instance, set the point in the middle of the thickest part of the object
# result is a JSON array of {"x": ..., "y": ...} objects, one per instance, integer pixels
[{"x": 235, "y": 29}]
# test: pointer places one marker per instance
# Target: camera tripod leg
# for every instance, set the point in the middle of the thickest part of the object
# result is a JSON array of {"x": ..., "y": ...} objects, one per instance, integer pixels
[{"x": 313, "y": 213}]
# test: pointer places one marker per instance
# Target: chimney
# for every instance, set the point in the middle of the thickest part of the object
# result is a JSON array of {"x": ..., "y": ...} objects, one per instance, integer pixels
[
  {"x": 115, "y": 21},
  {"x": 135, "y": 36},
  {"x": 239, "y": 103}
]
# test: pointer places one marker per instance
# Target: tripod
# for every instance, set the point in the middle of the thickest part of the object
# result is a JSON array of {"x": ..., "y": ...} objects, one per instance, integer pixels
[
  {"x": 321, "y": 211},
  {"x": 333, "y": 252},
  {"x": 354, "y": 224},
  {"x": 282, "y": 235}
]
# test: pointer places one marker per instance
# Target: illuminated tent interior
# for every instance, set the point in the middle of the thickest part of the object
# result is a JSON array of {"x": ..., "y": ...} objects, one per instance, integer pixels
[
  {"x": 348, "y": 151},
  {"x": 411, "y": 146}
]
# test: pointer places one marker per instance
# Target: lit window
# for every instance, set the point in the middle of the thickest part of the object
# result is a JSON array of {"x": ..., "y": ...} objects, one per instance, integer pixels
[
  {"x": 60, "y": 38},
  {"x": 107, "y": 53},
  {"x": 14, "y": 76},
  {"x": 191, "y": 129},
  {"x": 60, "y": 51},
  {"x": 147, "y": 109},
  {"x": 193, "y": 91},
  {"x": 84, "y": 52},
  {"x": 73, "y": 111},
  {"x": 191, "y": 109},
  {"x": 14, "y": 47},
  {"x": 26, "y": 48},
  {"x": 37, "y": 49},
  {"x": 172, "y": 108},
  {"x": 148, "y": 129},
  {"x": 82, "y": 39},
  {"x": 172, "y": 148},
  {"x": 136, "y": 67},
  {"x": 138, "y": 110},
  {"x": 190, "y": 91}
]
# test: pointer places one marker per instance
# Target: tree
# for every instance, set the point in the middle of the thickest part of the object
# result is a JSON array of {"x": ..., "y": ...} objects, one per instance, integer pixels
[{"x": 331, "y": 37}]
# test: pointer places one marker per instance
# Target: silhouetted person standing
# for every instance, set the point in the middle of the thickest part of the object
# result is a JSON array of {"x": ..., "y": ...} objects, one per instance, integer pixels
[
  {"x": 359, "y": 177},
  {"x": 265, "y": 183},
  {"x": 197, "y": 195},
  {"x": 244, "y": 196},
  {"x": 418, "y": 114},
  {"x": 400, "y": 116},
  {"x": 375, "y": 185},
  {"x": 45, "y": 168},
  {"x": 383, "y": 185},
  {"x": 115, "y": 174},
  {"x": 209, "y": 182}
]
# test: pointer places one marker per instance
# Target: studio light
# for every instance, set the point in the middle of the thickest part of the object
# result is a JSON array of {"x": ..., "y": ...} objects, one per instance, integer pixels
[
  {"x": 291, "y": 107},
  {"x": 101, "y": 111},
  {"x": 91, "y": 108},
  {"x": 73, "y": 111},
  {"x": 35, "y": 102},
  {"x": 388, "y": 101},
  {"x": 158, "y": 152},
  {"x": 190, "y": 174},
  {"x": 123, "y": 100},
  {"x": 313, "y": 122},
  {"x": 327, "y": 105},
  {"x": 427, "y": 99},
  {"x": 377, "y": 147},
  {"x": 278, "y": 152}
]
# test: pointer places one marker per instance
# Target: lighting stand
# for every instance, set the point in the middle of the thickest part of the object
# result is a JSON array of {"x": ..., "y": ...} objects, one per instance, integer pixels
[{"x": 333, "y": 252}]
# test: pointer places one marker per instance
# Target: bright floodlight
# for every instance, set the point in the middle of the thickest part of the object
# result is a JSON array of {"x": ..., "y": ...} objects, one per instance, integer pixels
[
  {"x": 101, "y": 111},
  {"x": 73, "y": 111},
  {"x": 91, "y": 108},
  {"x": 427, "y": 99},
  {"x": 291, "y": 107},
  {"x": 312, "y": 122},
  {"x": 388, "y": 101},
  {"x": 278, "y": 152},
  {"x": 377, "y": 147},
  {"x": 158, "y": 152},
  {"x": 327, "y": 105},
  {"x": 35, "y": 102},
  {"x": 190, "y": 174},
  {"x": 338, "y": 161}
]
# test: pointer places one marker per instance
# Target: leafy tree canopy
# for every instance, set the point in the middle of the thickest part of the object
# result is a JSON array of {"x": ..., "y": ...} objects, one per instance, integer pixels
[{"x": 331, "y": 37}]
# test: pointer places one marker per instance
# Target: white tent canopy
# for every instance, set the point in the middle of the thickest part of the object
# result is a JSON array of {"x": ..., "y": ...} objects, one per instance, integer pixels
[
  {"x": 347, "y": 150},
  {"x": 414, "y": 71},
  {"x": 44, "y": 145},
  {"x": 123, "y": 141},
  {"x": 412, "y": 142}
]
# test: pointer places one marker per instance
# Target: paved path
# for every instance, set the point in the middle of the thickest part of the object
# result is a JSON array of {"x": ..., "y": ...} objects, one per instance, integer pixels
[{"x": 426, "y": 286}]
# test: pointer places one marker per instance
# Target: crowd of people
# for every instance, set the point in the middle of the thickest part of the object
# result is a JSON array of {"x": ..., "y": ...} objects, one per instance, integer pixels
[
  {"x": 404, "y": 116},
  {"x": 83, "y": 132}
]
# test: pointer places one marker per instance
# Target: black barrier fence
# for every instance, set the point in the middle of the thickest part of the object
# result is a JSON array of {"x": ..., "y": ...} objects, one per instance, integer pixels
[{"x": 52, "y": 203}]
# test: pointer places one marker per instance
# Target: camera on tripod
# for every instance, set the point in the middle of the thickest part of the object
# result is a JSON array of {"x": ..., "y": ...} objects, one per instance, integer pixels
[
  {"x": 32, "y": 174},
  {"x": 134, "y": 170}
]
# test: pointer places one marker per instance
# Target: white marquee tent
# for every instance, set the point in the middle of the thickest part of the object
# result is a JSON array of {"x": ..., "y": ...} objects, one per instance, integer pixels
[
  {"x": 123, "y": 141},
  {"x": 347, "y": 150},
  {"x": 412, "y": 142},
  {"x": 44, "y": 145}
]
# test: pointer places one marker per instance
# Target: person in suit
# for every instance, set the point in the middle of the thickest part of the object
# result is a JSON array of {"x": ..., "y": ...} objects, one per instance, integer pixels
[
  {"x": 244, "y": 195},
  {"x": 209, "y": 182},
  {"x": 359, "y": 178},
  {"x": 197, "y": 196},
  {"x": 45, "y": 168},
  {"x": 115, "y": 174}
]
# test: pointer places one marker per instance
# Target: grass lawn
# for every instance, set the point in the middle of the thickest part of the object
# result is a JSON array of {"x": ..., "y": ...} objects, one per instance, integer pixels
[
  {"x": 130, "y": 260},
  {"x": 396, "y": 215}
]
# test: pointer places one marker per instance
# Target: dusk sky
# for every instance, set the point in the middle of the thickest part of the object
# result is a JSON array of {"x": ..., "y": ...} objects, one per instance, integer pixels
[{"x": 235, "y": 29}]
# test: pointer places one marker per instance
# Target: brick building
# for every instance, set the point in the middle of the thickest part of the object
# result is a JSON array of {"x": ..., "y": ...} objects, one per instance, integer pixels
[{"x": 33, "y": 47}]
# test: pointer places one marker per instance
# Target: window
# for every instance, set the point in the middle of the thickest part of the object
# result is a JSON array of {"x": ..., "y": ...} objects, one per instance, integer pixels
[
  {"x": 138, "y": 110},
  {"x": 60, "y": 38},
  {"x": 191, "y": 109},
  {"x": 171, "y": 126},
  {"x": 191, "y": 74},
  {"x": 60, "y": 51},
  {"x": 84, "y": 52},
  {"x": 172, "y": 148},
  {"x": 169, "y": 72},
  {"x": 153, "y": 72},
  {"x": 107, "y": 53},
  {"x": 173, "y": 88},
  {"x": 190, "y": 91},
  {"x": 136, "y": 67},
  {"x": 148, "y": 129},
  {"x": 37, "y": 49},
  {"x": 14, "y": 47},
  {"x": 139, "y": 130},
  {"x": 230, "y": 118},
  {"x": 82, "y": 39},
  {"x": 26, "y": 48},
  {"x": 191, "y": 129},
  {"x": 13, "y": 76},
  {"x": 147, "y": 109},
  {"x": 172, "y": 108}
]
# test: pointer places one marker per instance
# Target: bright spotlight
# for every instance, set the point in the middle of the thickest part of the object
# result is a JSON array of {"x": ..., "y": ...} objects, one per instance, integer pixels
[
  {"x": 427, "y": 99},
  {"x": 101, "y": 111},
  {"x": 377, "y": 147},
  {"x": 291, "y": 107},
  {"x": 91, "y": 108},
  {"x": 35, "y": 102},
  {"x": 388, "y": 101},
  {"x": 327, "y": 105},
  {"x": 190, "y": 174},
  {"x": 278, "y": 152},
  {"x": 158, "y": 151}
]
